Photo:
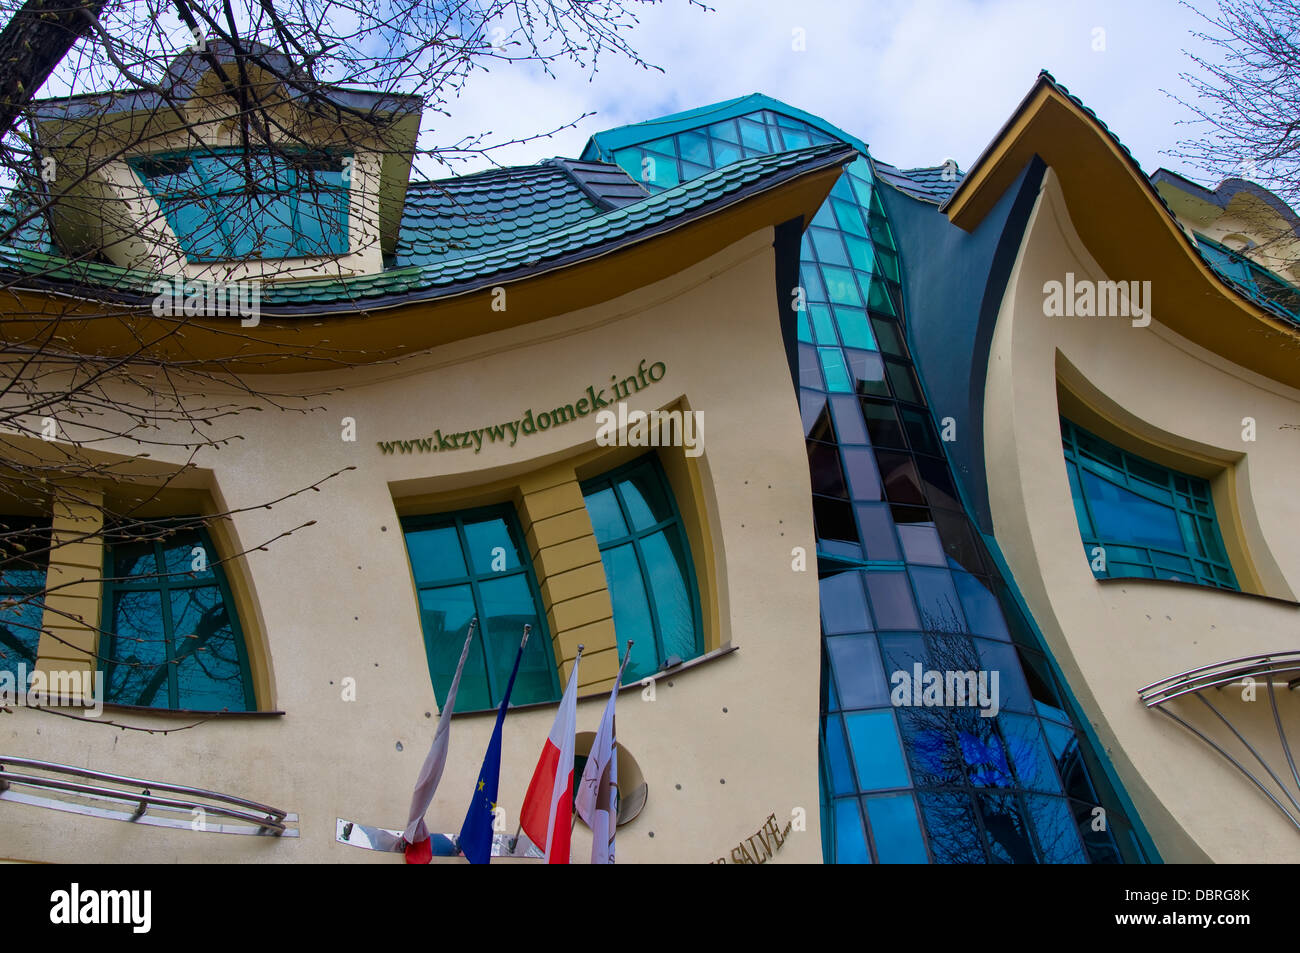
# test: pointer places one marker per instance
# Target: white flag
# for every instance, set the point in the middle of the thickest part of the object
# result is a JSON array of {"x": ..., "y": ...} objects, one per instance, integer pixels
[
  {"x": 597, "y": 800},
  {"x": 434, "y": 762}
]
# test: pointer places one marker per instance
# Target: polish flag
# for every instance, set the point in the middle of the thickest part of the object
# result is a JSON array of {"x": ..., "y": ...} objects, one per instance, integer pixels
[{"x": 547, "y": 814}]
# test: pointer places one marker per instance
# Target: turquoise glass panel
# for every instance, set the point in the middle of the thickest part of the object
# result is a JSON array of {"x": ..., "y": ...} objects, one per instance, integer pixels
[
  {"x": 138, "y": 673},
  {"x": 508, "y": 605},
  {"x": 895, "y": 830},
  {"x": 209, "y": 673},
  {"x": 876, "y": 750},
  {"x": 631, "y": 611},
  {"x": 435, "y": 554},
  {"x": 445, "y": 614},
  {"x": 850, "y": 841}
]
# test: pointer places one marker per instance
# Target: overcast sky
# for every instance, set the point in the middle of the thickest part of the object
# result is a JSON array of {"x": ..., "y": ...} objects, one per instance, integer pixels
[{"x": 918, "y": 80}]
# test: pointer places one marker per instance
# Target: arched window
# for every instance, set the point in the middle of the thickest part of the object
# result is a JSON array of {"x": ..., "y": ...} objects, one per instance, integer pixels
[
  {"x": 24, "y": 558},
  {"x": 474, "y": 563},
  {"x": 1140, "y": 519},
  {"x": 171, "y": 638},
  {"x": 648, "y": 566}
]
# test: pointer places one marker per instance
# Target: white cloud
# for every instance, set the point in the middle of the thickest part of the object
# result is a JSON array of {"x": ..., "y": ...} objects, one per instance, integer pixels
[{"x": 919, "y": 80}]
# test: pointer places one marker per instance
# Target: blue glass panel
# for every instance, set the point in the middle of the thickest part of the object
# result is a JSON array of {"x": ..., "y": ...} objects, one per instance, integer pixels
[
  {"x": 445, "y": 614},
  {"x": 855, "y": 329},
  {"x": 937, "y": 599},
  {"x": 1001, "y": 657},
  {"x": 823, "y": 327},
  {"x": 858, "y": 671},
  {"x": 491, "y": 549},
  {"x": 864, "y": 478},
  {"x": 1029, "y": 756},
  {"x": 861, "y": 255},
  {"x": 180, "y": 553},
  {"x": 876, "y": 751},
  {"x": 952, "y": 829},
  {"x": 209, "y": 674},
  {"x": 841, "y": 287},
  {"x": 666, "y": 569},
  {"x": 507, "y": 607},
  {"x": 837, "y": 753},
  {"x": 983, "y": 614},
  {"x": 848, "y": 421},
  {"x": 826, "y": 242},
  {"x": 643, "y": 496},
  {"x": 1057, "y": 834},
  {"x": 804, "y": 328},
  {"x": 1008, "y": 833},
  {"x": 606, "y": 517},
  {"x": 435, "y": 554},
  {"x": 135, "y": 559},
  {"x": 850, "y": 841},
  {"x": 844, "y": 609},
  {"x": 921, "y": 544},
  {"x": 837, "y": 375},
  {"x": 891, "y": 600},
  {"x": 1124, "y": 515},
  {"x": 895, "y": 830},
  {"x": 877, "y": 528},
  {"x": 20, "y": 632},
  {"x": 138, "y": 673},
  {"x": 982, "y": 750},
  {"x": 631, "y": 611}
]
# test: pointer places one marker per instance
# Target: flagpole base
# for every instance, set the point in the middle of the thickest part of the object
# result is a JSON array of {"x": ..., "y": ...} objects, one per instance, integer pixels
[{"x": 390, "y": 841}]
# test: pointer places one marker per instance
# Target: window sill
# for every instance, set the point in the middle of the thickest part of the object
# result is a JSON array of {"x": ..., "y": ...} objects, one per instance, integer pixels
[
  {"x": 630, "y": 686},
  {"x": 1130, "y": 580},
  {"x": 189, "y": 712}
]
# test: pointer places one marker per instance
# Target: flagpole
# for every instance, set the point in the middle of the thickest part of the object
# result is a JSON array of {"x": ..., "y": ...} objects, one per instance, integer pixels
[{"x": 514, "y": 841}]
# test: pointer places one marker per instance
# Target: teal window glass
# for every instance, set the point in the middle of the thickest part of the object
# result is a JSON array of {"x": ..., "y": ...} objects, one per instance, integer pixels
[
  {"x": 473, "y": 563},
  {"x": 877, "y": 752},
  {"x": 172, "y": 638},
  {"x": 1255, "y": 280},
  {"x": 229, "y": 204},
  {"x": 837, "y": 374},
  {"x": 648, "y": 566},
  {"x": 895, "y": 829},
  {"x": 24, "y": 559},
  {"x": 1149, "y": 521}
]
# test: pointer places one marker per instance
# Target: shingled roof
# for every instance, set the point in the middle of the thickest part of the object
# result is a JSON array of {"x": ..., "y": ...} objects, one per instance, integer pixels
[{"x": 465, "y": 234}]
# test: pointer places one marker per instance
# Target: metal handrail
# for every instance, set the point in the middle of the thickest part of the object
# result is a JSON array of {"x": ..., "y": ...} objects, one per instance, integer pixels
[
  {"x": 139, "y": 782},
  {"x": 1222, "y": 673},
  {"x": 266, "y": 822}
]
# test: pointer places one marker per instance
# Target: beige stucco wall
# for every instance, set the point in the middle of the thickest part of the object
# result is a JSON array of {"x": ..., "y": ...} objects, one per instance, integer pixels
[
  {"x": 335, "y": 600},
  {"x": 1113, "y": 638}
]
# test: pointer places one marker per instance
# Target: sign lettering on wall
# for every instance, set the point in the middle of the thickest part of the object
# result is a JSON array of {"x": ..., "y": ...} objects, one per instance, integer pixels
[
  {"x": 759, "y": 847},
  {"x": 532, "y": 421}
]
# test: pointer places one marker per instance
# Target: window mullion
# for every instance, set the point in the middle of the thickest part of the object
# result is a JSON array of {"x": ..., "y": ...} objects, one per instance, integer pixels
[{"x": 169, "y": 628}]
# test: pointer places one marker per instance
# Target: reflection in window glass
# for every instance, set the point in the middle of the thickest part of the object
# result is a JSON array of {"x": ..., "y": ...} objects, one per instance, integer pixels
[
  {"x": 24, "y": 557},
  {"x": 171, "y": 635},
  {"x": 471, "y": 564},
  {"x": 648, "y": 566},
  {"x": 1140, "y": 519}
]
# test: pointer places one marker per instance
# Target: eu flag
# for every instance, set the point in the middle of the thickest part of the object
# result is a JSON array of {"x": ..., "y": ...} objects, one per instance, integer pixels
[{"x": 475, "y": 839}]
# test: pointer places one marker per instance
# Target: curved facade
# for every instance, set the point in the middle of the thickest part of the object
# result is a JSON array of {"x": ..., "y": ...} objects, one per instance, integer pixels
[{"x": 911, "y": 498}]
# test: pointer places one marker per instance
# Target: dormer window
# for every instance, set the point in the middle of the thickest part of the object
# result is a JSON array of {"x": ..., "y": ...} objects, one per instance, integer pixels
[
  {"x": 1251, "y": 277},
  {"x": 232, "y": 204}
]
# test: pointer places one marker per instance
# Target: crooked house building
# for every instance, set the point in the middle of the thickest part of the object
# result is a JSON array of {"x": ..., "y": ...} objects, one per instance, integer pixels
[{"x": 972, "y": 542}]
